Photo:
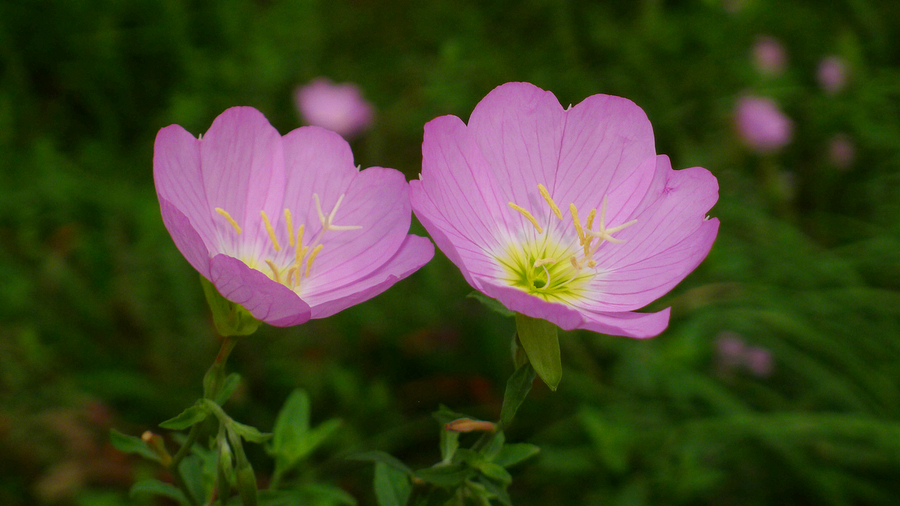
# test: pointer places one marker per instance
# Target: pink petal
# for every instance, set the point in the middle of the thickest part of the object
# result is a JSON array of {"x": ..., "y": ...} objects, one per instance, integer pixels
[
  {"x": 243, "y": 172},
  {"x": 457, "y": 199},
  {"x": 178, "y": 178},
  {"x": 671, "y": 237},
  {"x": 376, "y": 199},
  {"x": 638, "y": 325},
  {"x": 186, "y": 238},
  {"x": 413, "y": 253},
  {"x": 266, "y": 300}
]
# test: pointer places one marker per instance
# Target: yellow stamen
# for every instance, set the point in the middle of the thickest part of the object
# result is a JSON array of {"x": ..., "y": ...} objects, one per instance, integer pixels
[
  {"x": 224, "y": 213},
  {"x": 312, "y": 256},
  {"x": 270, "y": 230},
  {"x": 592, "y": 263},
  {"x": 546, "y": 195},
  {"x": 292, "y": 273},
  {"x": 577, "y": 223},
  {"x": 527, "y": 215},
  {"x": 290, "y": 226},
  {"x": 590, "y": 219},
  {"x": 300, "y": 251},
  {"x": 574, "y": 262},
  {"x": 274, "y": 270}
]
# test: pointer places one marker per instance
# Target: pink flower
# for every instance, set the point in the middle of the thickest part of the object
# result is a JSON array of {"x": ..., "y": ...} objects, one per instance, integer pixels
[
  {"x": 841, "y": 151},
  {"x": 761, "y": 125},
  {"x": 337, "y": 107},
  {"x": 832, "y": 74},
  {"x": 285, "y": 226},
  {"x": 564, "y": 214},
  {"x": 769, "y": 56}
]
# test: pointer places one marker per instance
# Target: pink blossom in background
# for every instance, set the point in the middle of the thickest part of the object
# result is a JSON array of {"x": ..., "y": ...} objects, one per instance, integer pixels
[
  {"x": 769, "y": 56},
  {"x": 841, "y": 151},
  {"x": 287, "y": 226},
  {"x": 568, "y": 215},
  {"x": 732, "y": 355},
  {"x": 759, "y": 361},
  {"x": 832, "y": 74},
  {"x": 761, "y": 125},
  {"x": 337, "y": 107}
]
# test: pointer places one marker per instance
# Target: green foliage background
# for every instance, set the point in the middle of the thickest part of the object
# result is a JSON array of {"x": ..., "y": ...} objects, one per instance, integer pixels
[{"x": 103, "y": 323}]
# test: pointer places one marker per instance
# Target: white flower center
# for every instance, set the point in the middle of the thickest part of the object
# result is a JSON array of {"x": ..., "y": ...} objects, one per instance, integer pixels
[{"x": 552, "y": 267}]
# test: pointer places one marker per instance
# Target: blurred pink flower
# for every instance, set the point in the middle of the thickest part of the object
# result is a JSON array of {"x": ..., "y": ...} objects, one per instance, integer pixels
[
  {"x": 733, "y": 355},
  {"x": 337, "y": 107},
  {"x": 769, "y": 56},
  {"x": 761, "y": 125},
  {"x": 627, "y": 229},
  {"x": 841, "y": 151},
  {"x": 832, "y": 74},
  {"x": 287, "y": 226}
]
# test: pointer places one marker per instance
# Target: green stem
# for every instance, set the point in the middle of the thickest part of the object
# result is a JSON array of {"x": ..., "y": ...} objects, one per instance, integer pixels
[{"x": 176, "y": 472}]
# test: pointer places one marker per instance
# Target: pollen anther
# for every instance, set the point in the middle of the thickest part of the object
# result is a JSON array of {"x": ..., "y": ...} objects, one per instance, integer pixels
[
  {"x": 224, "y": 213},
  {"x": 577, "y": 223},
  {"x": 546, "y": 195},
  {"x": 274, "y": 270},
  {"x": 528, "y": 216},
  {"x": 312, "y": 256},
  {"x": 270, "y": 230},
  {"x": 290, "y": 226}
]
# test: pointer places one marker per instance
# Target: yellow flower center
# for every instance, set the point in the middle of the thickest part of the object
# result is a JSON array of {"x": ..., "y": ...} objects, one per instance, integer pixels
[
  {"x": 291, "y": 268},
  {"x": 557, "y": 268}
]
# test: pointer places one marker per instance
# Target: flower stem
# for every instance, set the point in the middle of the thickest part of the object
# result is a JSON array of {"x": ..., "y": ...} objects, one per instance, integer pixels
[{"x": 174, "y": 470}]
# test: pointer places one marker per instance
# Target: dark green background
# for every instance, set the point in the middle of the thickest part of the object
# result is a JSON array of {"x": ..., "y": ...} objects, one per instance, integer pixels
[{"x": 103, "y": 323}]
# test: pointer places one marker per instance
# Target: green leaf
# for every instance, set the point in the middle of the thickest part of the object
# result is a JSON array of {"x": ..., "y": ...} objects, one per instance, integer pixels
[
  {"x": 492, "y": 304},
  {"x": 517, "y": 388},
  {"x": 228, "y": 386},
  {"x": 293, "y": 439},
  {"x": 189, "y": 417},
  {"x": 541, "y": 343},
  {"x": 231, "y": 319},
  {"x": 309, "y": 494},
  {"x": 156, "y": 487},
  {"x": 247, "y": 432},
  {"x": 493, "y": 447},
  {"x": 392, "y": 486},
  {"x": 449, "y": 445},
  {"x": 131, "y": 444},
  {"x": 446, "y": 476},
  {"x": 495, "y": 472},
  {"x": 512, "y": 454},
  {"x": 380, "y": 456}
]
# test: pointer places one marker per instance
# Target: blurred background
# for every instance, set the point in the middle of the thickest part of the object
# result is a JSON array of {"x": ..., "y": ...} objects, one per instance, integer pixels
[{"x": 777, "y": 382}]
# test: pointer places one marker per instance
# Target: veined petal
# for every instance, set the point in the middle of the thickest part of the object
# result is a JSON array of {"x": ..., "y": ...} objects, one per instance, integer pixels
[
  {"x": 413, "y": 253},
  {"x": 243, "y": 172},
  {"x": 317, "y": 161},
  {"x": 519, "y": 129},
  {"x": 626, "y": 324},
  {"x": 186, "y": 238},
  {"x": 671, "y": 237},
  {"x": 266, "y": 300},
  {"x": 377, "y": 201},
  {"x": 607, "y": 150},
  {"x": 179, "y": 181}
]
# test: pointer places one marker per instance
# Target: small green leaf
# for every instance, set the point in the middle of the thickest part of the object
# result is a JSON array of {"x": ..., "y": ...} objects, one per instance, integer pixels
[
  {"x": 492, "y": 304},
  {"x": 541, "y": 343},
  {"x": 446, "y": 476},
  {"x": 512, "y": 454},
  {"x": 156, "y": 487},
  {"x": 495, "y": 472},
  {"x": 228, "y": 386},
  {"x": 493, "y": 447},
  {"x": 230, "y": 319},
  {"x": 189, "y": 417},
  {"x": 291, "y": 424},
  {"x": 449, "y": 445},
  {"x": 380, "y": 456},
  {"x": 131, "y": 444},
  {"x": 247, "y": 432},
  {"x": 517, "y": 388},
  {"x": 392, "y": 487}
]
